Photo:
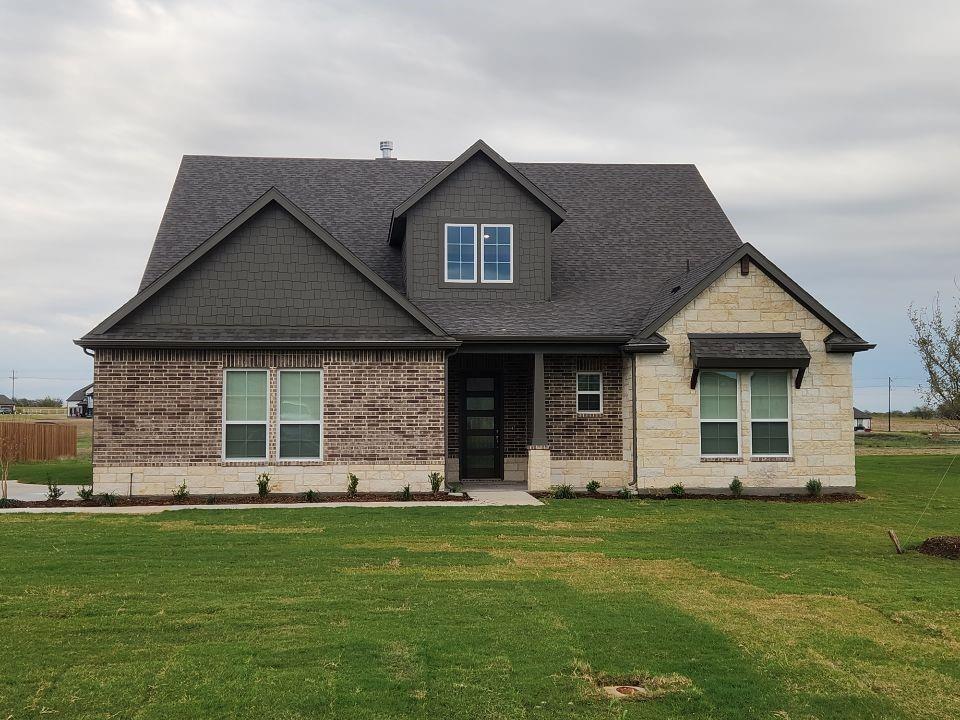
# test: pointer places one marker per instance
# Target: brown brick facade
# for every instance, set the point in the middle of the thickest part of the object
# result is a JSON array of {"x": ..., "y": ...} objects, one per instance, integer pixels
[
  {"x": 163, "y": 407},
  {"x": 575, "y": 436}
]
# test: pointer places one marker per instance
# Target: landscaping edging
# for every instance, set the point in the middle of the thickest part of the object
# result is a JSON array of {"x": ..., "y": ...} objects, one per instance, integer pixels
[{"x": 234, "y": 500}]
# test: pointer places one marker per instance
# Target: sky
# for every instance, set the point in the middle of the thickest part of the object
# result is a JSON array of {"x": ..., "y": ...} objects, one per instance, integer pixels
[{"x": 829, "y": 132}]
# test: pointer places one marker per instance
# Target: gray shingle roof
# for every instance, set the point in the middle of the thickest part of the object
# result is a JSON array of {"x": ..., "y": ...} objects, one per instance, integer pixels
[
  {"x": 745, "y": 350},
  {"x": 80, "y": 394},
  {"x": 861, "y": 414},
  {"x": 4, "y": 400},
  {"x": 628, "y": 229}
]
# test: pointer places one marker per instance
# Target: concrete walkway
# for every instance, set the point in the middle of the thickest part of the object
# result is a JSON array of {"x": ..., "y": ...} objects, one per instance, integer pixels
[
  {"x": 25, "y": 491},
  {"x": 495, "y": 497}
]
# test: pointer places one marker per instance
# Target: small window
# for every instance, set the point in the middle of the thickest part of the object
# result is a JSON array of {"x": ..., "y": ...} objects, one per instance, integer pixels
[
  {"x": 496, "y": 253},
  {"x": 245, "y": 415},
  {"x": 770, "y": 413},
  {"x": 719, "y": 414},
  {"x": 589, "y": 392},
  {"x": 460, "y": 253},
  {"x": 301, "y": 415}
]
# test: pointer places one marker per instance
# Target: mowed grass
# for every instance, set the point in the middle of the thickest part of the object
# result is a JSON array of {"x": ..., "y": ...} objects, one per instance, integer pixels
[
  {"x": 769, "y": 610},
  {"x": 908, "y": 440}
]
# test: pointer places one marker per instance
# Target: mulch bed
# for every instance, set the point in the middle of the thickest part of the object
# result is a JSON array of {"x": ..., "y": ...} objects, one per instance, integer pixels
[
  {"x": 945, "y": 546},
  {"x": 272, "y": 498},
  {"x": 792, "y": 498}
]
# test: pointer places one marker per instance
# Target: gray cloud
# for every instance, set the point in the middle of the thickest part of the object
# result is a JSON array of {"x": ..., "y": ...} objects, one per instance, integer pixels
[{"x": 827, "y": 130}]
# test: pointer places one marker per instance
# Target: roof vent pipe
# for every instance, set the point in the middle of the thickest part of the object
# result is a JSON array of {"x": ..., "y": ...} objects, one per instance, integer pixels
[{"x": 386, "y": 150}]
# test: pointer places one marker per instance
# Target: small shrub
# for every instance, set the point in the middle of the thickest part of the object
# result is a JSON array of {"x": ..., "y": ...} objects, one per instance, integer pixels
[
  {"x": 181, "y": 493},
  {"x": 623, "y": 493},
  {"x": 352, "y": 482},
  {"x": 814, "y": 487},
  {"x": 211, "y": 499},
  {"x": 311, "y": 496},
  {"x": 436, "y": 480},
  {"x": 677, "y": 490},
  {"x": 108, "y": 498},
  {"x": 6, "y": 502},
  {"x": 263, "y": 484},
  {"x": 593, "y": 487},
  {"x": 454, "y": 486},
  {"x": 406, "y": 493},
  {"x": 85, "y": 492},
  {"x": 54, "y": 491},
  {"x": 736, "y": 486},
  {"x": 562, "y": 492}
]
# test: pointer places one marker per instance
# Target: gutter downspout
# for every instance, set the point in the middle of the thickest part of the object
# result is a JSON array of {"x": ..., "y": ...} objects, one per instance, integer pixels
[{"x": 633, "y": 429}]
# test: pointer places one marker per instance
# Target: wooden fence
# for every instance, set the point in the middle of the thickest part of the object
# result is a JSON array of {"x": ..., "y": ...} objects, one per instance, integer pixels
[{"x": 40, "y": 440}]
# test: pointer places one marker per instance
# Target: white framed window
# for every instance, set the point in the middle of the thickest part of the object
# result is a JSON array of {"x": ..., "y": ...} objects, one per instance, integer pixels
[
  {"x": 459, "y": 253},
  {"x": 589, "y": 393},
  {"x": 719, "y": 413},
  {"x": 300, "y": 416},
  {"x": 245, "y": 412},
  {"x": 496, "y": 253},
  {"x": 770, "y": 413}
]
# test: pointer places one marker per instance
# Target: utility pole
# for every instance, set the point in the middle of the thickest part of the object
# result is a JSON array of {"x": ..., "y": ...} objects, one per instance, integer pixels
[
  {"x": 13, "y": 385},
  {"x": 889, "y": 385}
]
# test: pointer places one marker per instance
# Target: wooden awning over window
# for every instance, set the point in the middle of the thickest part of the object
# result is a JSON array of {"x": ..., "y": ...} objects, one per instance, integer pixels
[{"x": 748, "y": 351}]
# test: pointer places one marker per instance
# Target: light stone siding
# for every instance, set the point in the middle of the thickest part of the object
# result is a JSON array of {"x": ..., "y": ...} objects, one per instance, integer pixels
[
  {"x": 668, "y": 433},
  {"x": 611, "y": 474},
  {"x": 231, "y": 479},
  {"x": 538, "y": 468}
]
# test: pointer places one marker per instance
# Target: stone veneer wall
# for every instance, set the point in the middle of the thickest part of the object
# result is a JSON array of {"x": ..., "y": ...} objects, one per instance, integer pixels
[
  {"x": 159, "y": 420},
  {"x": 668, "y": 434}
]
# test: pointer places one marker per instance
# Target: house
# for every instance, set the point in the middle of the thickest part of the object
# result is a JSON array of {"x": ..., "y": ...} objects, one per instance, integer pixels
[
  {"x": 6, "y": 405},
  {"x": 80, "y": 402},
  {"x": 542, "y": 323},
  {"x": 862, "y": 420}
]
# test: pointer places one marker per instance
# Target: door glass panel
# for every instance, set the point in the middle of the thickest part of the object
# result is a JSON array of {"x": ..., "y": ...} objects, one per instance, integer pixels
[
  {"x": 482, "y": 462},
  {"x": 480, "y": 383},
  {"x": 480, "y": 422},
  {"x": 480, "y": 403},
  {"x": 481, "y": 442}
]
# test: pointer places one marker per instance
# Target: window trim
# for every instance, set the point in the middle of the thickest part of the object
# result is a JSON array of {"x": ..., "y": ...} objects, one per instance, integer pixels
[
  {"x": 301, "y": 422},
  {"x": 739, "y": 452},
  {"x": 580, "y": 392},
  {"x": 476, "y": 254},
  {"x": 224, "y": 422},
  {"x": 483, "y": 252},
  {"x": 788, "y": 420}
]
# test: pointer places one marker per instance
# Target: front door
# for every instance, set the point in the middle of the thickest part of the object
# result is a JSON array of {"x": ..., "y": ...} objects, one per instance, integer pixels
[{"x": 481, "y": 447}]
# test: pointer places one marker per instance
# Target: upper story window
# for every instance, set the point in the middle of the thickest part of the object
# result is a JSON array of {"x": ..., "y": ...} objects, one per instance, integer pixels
[
  {"x": 719, "y": 413},
  {"x": 496, "y": 255},
  {"x": 460, "y": 253}
]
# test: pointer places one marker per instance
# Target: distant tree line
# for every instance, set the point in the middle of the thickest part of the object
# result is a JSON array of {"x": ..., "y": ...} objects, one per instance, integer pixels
[
  {"x": 43, "y": 402},
  {"x": 921, "y": 412}
]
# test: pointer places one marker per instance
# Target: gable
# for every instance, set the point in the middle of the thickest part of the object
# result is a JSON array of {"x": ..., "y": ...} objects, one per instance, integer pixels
[
  {"x": 271, "y": 272},
  {"x": 270, "y": 275},
  {"x": 735, "y": 276}
]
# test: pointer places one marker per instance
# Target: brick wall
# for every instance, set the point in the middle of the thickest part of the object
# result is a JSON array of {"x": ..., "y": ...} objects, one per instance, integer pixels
[
  {"x": 572, "y": 435},
  {"x": 163, "y": 407}
]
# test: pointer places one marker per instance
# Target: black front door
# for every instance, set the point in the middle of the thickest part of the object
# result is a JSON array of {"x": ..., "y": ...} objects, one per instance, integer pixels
[{"x": 481, "y": 447}]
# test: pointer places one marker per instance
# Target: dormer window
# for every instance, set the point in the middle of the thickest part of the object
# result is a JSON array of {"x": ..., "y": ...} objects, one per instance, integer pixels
[
  {"x": 496, "y": 256},
  {"x": 460, "y": 250},
  {"x": 465, "y": 262}
]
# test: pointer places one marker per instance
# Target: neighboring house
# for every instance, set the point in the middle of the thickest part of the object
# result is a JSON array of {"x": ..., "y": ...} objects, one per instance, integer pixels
[
  {"x": 537, "y": 322},
  {"x": 6, "y": 405},
  {"x": 862, "y": 420},
  {"x": 80, "y": 403}
]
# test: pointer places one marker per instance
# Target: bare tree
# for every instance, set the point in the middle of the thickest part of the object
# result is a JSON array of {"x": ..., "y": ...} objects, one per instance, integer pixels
[
  {"x": 12, "y": 445},
  {"x": 937, "y": 339}
]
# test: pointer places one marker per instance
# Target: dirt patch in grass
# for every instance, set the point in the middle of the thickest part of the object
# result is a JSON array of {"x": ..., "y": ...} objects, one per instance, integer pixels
[
  {"x": 272, "y": 498},
  {"x": 945, "y": 546},
  {"x": 633, "y": 686}
]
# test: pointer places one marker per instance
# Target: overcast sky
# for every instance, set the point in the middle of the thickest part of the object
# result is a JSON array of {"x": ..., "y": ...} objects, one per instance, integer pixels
[{"x": 829, "y": 132}]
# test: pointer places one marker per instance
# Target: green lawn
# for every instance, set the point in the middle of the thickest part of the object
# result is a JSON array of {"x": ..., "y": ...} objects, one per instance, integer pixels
[
  {"x": 770, "y": 610},
  {"x": 66, "y": 471}
]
